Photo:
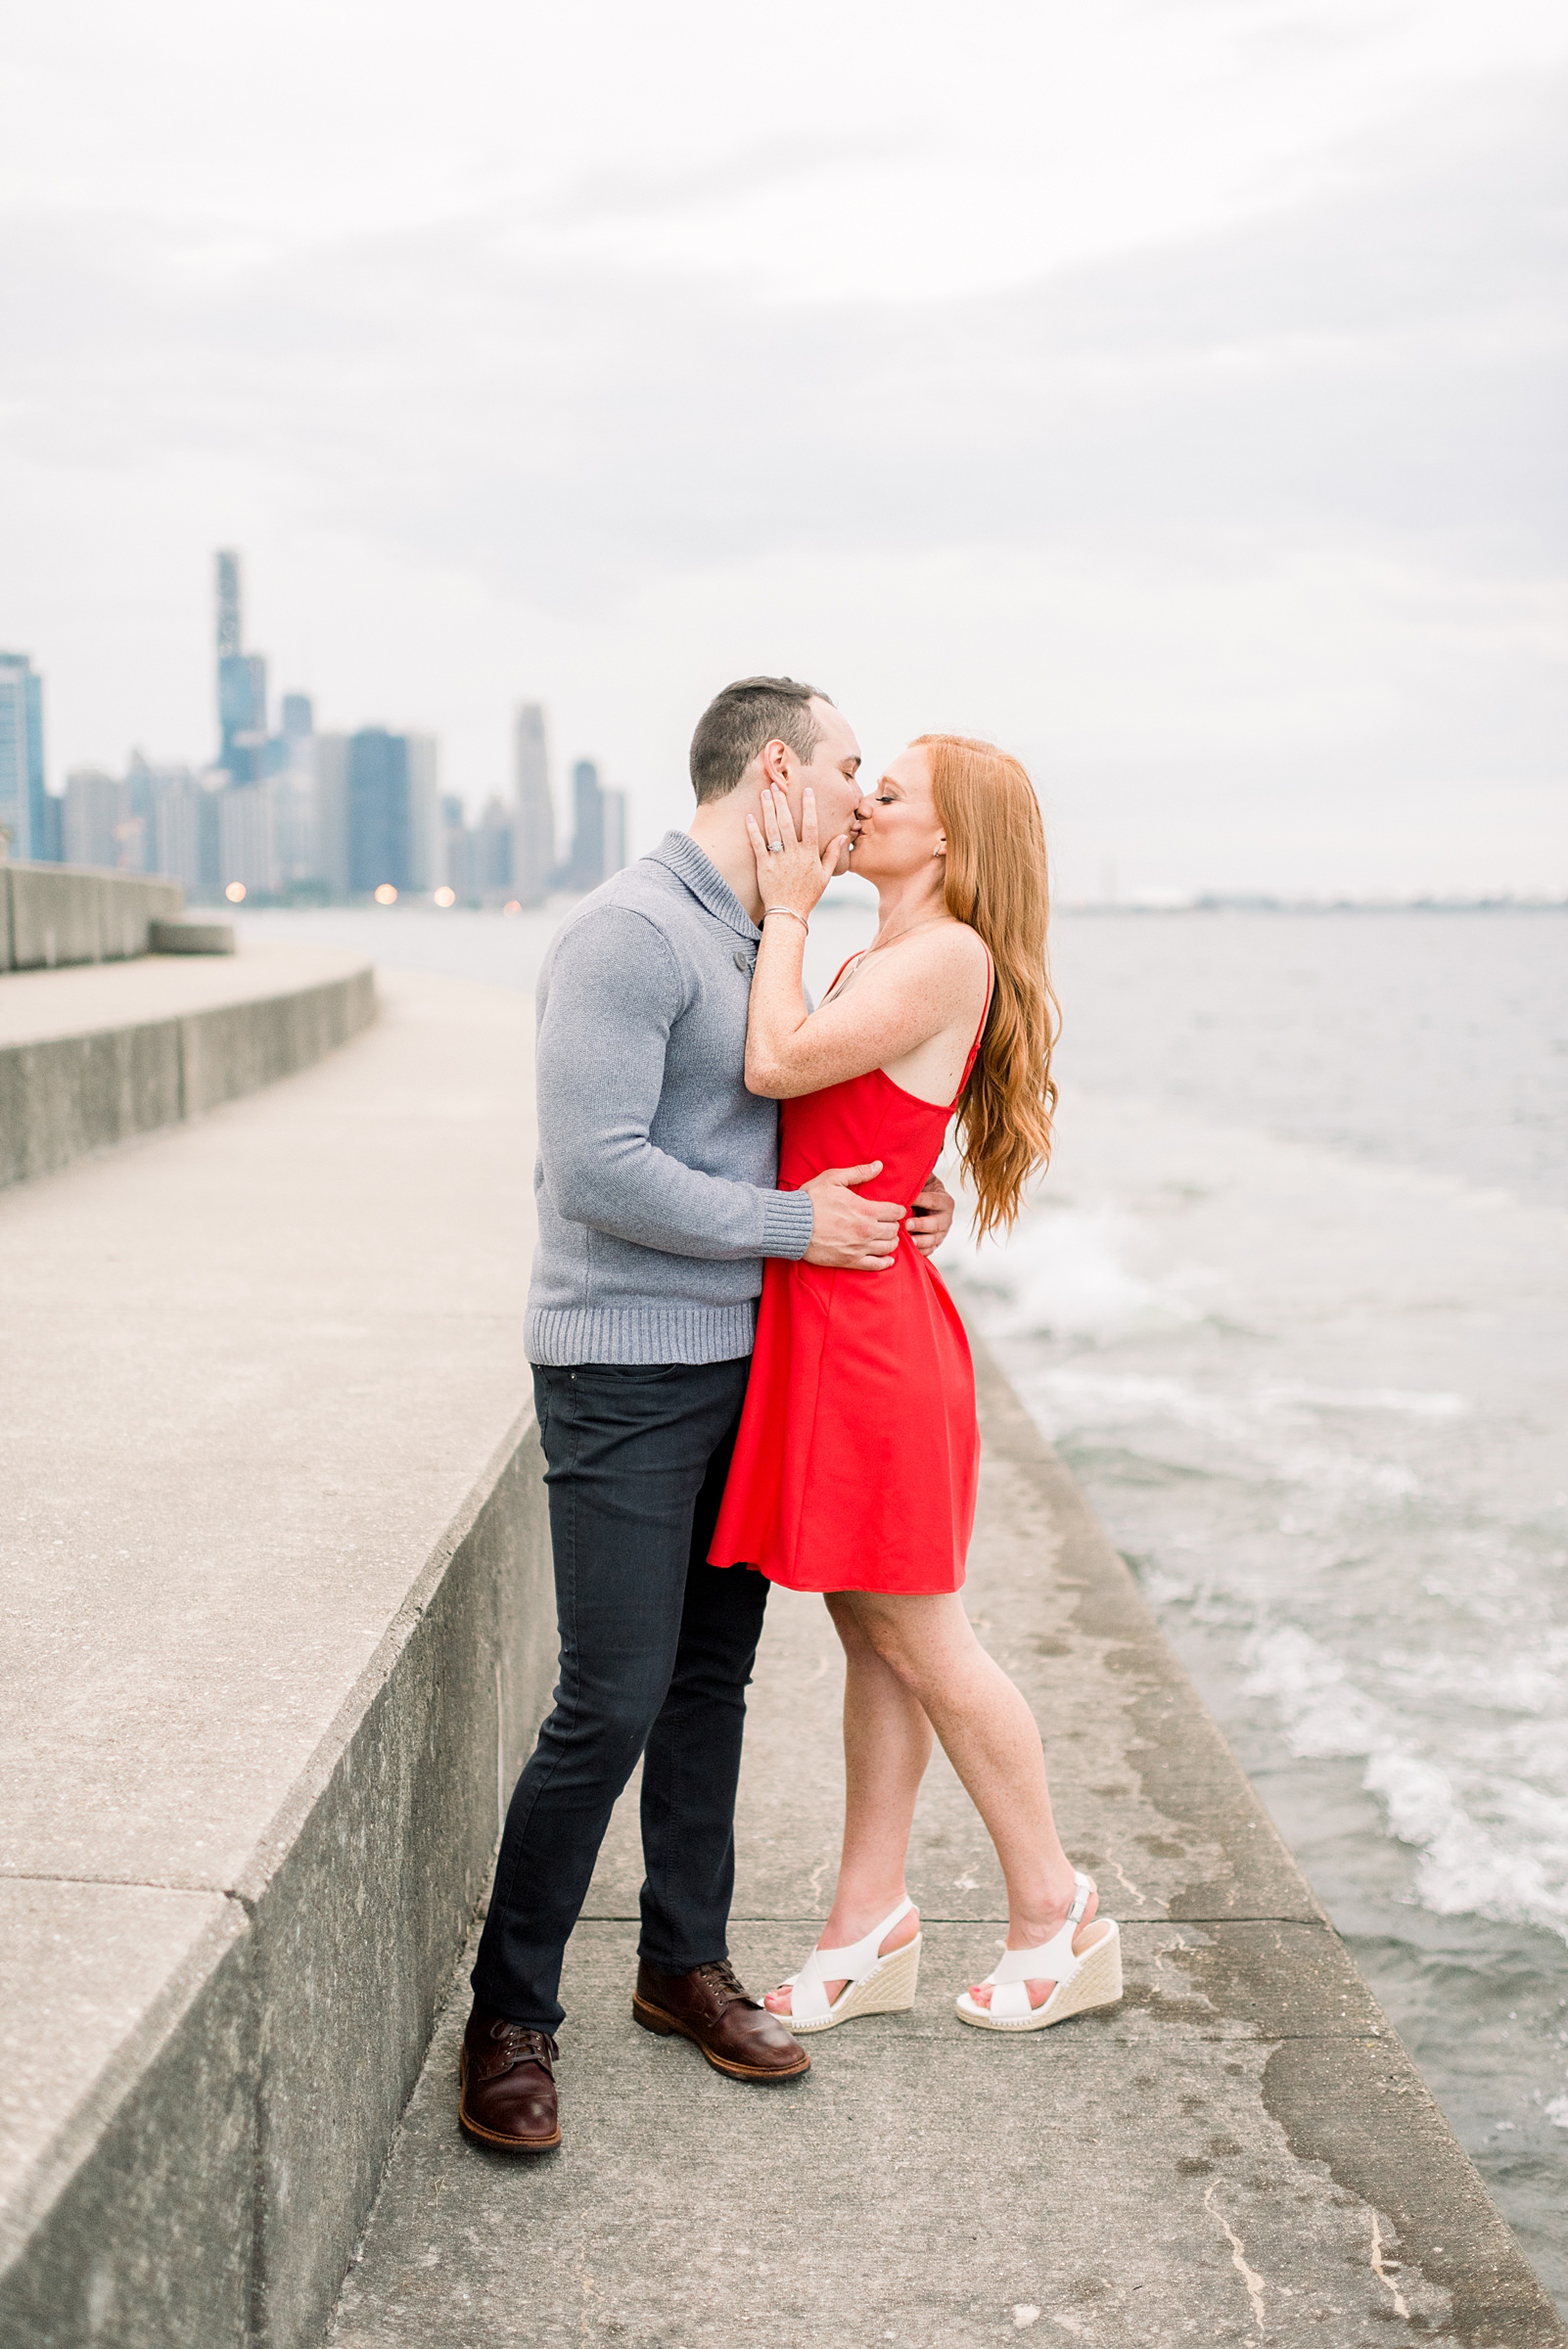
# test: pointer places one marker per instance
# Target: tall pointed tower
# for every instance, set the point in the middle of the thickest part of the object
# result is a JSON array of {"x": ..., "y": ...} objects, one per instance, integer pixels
[
  {"x": 533, "y": 813},
  {"x": 242, "y": 679}
]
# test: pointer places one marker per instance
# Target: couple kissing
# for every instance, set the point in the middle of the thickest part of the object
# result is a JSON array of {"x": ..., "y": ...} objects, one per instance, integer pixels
[{"x": 748, "y": 1371}]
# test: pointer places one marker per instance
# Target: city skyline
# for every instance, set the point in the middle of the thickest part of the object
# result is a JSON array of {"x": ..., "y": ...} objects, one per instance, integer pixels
[{"x": 300, "y": 815}]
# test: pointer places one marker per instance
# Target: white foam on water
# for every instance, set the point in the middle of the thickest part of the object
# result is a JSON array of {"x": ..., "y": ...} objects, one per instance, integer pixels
[
  {"x": 1108, "y": 1399},
  {"x": 1308, "y": 1518},
  {"x": 1413, "y": 1404},
  {"x": 1263, "y": 1422},
  {"x": 1063, "y": 1275},
  {"x": 1469, "y": 1863},
  {"x": 1533, "y": 1680},
  {"x": 1466, "y": 1866}
]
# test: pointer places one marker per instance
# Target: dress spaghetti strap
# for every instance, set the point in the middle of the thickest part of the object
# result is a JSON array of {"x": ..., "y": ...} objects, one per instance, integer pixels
[{"x": 979, "y": 1032}]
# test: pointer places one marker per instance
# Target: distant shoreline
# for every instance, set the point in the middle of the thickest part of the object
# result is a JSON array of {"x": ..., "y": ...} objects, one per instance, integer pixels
[{"x": 1241, "y": 904}]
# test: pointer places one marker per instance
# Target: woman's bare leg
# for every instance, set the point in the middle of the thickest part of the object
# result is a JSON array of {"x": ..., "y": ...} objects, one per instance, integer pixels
[
  {"x": 887, "y": 1744},
  {"x": 992, "y": 1741}
]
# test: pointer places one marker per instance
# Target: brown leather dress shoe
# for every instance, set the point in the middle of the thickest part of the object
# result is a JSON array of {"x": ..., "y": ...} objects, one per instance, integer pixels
[
  {"x": 507, "y": 2094},
  {"x": 712, "y": 2005}
]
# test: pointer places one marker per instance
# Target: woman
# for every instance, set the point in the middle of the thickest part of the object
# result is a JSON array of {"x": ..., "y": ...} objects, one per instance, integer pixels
[{"x": 855, "y": 1466}]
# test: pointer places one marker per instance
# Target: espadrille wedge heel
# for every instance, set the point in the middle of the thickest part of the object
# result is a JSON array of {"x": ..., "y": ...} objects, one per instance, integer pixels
[
  {"x": 1093, "y": 1979},
  {"x": 872, "y": 1984}
]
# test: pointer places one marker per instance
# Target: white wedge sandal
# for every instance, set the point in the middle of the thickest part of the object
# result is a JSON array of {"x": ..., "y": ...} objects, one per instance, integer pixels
[
  {"x": 872, "y": 1984},
  {"x": 1079, "y": 1983}
]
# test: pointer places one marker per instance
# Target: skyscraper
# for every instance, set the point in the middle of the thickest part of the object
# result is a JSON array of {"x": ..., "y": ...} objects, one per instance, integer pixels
[
  {"x": 534, "y": 820},
  {"x": 615, "y": 831},
  {"x": 328, "y": 769},
  {"x": 427, "y": 862},
  {"x": 23, "y": 808},
  {"x": 137, "y": 826},
  {"x": 393, "y": 808},
  {"x": 599, "y": 830},
  {"x": 226, "y": 568},
  {"x": 289, "y": 762},
  {"x": 242, "y": 680},
  {"x": 178, "y": 799},
  {"x": 494, "y": 848},
  {"x": 584, "y": 867},
  {"x": 377, "y": 809},
  {"x": 248, "y": 848},
  {"x": 95, "y": 804}
]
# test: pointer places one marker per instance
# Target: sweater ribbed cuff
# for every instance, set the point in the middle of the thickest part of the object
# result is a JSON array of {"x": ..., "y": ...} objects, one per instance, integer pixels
[{"x": 787, "y": 1223}]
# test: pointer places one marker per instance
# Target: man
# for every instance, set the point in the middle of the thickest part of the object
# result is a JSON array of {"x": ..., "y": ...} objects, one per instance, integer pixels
[{"x": 657, "y": 1206}]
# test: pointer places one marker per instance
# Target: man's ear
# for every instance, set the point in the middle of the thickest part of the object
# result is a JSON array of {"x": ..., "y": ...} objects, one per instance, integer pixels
[{"x": 776, "y": 763}]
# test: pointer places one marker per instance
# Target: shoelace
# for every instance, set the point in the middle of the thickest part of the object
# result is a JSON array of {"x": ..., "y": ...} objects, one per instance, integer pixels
[
  {"x": 722, "y": 1975},
  {"x": 524, "y": 2046}
]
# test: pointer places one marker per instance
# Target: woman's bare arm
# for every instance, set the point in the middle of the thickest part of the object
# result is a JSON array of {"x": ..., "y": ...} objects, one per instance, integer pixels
[{"x": 898, "y": 999}]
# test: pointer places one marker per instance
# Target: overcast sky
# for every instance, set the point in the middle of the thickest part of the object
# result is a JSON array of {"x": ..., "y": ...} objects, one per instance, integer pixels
[{"x": 1172, "y": 391}]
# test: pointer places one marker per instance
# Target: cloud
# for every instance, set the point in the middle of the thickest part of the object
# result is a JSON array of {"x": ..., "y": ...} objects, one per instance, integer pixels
[
  {"x": 1381, "y": 365},
  {"x": 1253, "y": 533}
]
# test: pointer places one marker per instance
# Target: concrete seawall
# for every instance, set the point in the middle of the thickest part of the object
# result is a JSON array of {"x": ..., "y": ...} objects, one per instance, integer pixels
[
  {"x": 279, "y": 1629},
  {"x": 91, "y": 1057},
  {"x": 55, "y": 914}
]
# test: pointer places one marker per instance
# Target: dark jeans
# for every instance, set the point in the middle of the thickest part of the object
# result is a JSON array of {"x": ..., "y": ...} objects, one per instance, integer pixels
[{"x": 655, "y": 1650}]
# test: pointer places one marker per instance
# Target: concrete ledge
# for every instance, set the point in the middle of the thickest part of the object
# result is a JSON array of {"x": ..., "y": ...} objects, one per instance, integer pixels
[
  {"x": 55, "y": 914},
  {"x": 366, "y": 1884},
  {"x": 92, "y": 1057},
  {"x": 123, "y": 2230},
  {"x": 211, "y": 2182},
  {"x": 280, "y": 1629},
  {"x": 190, "y": 938}
]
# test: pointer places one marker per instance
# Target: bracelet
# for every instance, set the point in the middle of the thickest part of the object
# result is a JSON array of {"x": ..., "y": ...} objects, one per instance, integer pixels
[{"x": 792, "y": 915}]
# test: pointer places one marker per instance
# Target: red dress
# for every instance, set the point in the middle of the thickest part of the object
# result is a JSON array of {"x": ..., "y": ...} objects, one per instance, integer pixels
[{"x": 858, "y": 1450}]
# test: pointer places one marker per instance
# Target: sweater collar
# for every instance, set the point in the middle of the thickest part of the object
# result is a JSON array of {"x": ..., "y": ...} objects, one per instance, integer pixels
[{"x": 689, "y": 863}]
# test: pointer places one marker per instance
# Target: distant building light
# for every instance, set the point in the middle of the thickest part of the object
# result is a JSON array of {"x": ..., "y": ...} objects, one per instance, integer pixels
[
  {"x": 511, "y": 906},
  {"x": 446, "y": 897},
  {"x": 386, "y": 895},
  {"x": 235, "y": 893}
]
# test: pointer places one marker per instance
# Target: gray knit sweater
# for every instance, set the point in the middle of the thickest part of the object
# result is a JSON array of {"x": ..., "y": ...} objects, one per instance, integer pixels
[{"x": 655, "y": 1165}]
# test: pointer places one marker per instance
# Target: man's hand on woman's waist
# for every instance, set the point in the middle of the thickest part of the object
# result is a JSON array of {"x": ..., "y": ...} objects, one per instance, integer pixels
[
  {"x": 850, "y": 1233},
  {"x": 862, "y": 1235}
]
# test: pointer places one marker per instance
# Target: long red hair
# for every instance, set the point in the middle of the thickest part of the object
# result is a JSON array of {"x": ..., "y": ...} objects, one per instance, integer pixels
[{"x": 997, "y": 881}]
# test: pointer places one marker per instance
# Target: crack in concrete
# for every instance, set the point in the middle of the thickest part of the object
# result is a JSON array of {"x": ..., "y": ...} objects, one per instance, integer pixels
[
  {"x": 1238, "y": 2260},
  {"x": 1382, "y": 2274},
  {"x": 1122, "y": 1878}
]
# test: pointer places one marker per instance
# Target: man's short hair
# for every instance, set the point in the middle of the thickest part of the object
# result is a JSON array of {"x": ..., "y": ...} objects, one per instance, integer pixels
[{"x": 742, "y": 722}]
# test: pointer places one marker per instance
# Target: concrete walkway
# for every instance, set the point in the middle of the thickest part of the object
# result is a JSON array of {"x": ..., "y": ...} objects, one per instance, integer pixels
[
  {"x": 1241, "y": 2153},
  {"x": 276, "y": 1620}
]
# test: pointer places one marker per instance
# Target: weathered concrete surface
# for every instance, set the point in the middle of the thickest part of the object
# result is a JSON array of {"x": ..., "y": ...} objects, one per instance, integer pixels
[
  {"x": 1242, "y": 2152},
  {"x": 277, "y": 1628},
  {"x": 92, "y": 1057},
  {"x": 128, "y": 2023},
  {"x": 53, "y": 915},
  {"x": 190, "y": 938}
]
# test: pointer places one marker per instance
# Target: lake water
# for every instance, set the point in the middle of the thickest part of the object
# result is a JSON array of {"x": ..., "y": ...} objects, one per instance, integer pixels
[{"x": 1291, "y": 1301}]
